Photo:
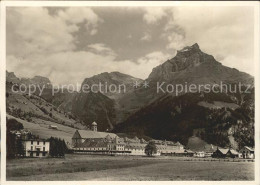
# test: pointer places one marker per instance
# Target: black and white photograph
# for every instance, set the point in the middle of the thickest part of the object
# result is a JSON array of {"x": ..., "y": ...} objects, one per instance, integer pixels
[{"x": 131, "y": 92}]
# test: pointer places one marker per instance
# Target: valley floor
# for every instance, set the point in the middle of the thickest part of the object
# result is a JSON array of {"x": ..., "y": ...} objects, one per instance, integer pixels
[{"x": 125, "y": 168}]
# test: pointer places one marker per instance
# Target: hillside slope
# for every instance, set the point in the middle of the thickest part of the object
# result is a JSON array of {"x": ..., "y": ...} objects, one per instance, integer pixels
[
  {"x": 176, "y": 118},
  {"x": 29, "y": 107}
]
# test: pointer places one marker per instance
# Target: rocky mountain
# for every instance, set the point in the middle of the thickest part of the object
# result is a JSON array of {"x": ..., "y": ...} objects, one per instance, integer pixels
[
  {"x": 12, "y": 78},
  {"x": 56, "y": 99},
  {"x": 221, "y": 119},
  {"x": 189, "y": 66},
  {"x": 164, "y": 115},
  {"x": 97, "y": 107},
  {"x": 115, "y": 79},
  {"x": 194, "y": 66},
  {"x": 103, "y": 106},
  {"x": 37, "y": 80}
]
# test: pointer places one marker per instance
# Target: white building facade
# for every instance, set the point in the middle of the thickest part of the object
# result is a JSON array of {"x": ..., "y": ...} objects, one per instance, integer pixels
[{"x": 36, "y": 148}]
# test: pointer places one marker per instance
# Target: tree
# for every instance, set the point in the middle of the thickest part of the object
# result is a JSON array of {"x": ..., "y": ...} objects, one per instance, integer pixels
[
  {"x": 150, "y": 148},
  {"x": 53, "y": 147},
  {"x": 58, "y": 147},
  {"x": 14, "y": 146},
  {"x": 20, "y": 150},
  {"x": 13, "y": 124},
  {"x": 10, "y": 145},
  {"x": 65, "y": 148}
]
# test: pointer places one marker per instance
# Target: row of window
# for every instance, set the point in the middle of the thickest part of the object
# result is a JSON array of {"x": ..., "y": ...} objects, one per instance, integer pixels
[
  {"x": 109, "y": 148},
  {"x": 43, "y": 149},
  {"x": 92, "y": 148},
  {"x": 37, "y": 154},
  {"x": 135, "y": 149},
  {"x": 38, "y": 142}
]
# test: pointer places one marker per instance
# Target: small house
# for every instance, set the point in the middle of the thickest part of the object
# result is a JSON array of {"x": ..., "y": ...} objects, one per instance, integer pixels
[
  {"x": 247, "y": 152},
  {"x": 232, "y": 153},
  {"x": 189, "y": 153},
  {"x": 53, "y": 127},
  {"x": 199, "y": 154},
  {"x": 220, "y": 153}
]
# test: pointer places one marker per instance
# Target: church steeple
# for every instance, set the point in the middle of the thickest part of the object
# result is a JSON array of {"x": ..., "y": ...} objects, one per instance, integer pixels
[{"x": 94, "y": 126}]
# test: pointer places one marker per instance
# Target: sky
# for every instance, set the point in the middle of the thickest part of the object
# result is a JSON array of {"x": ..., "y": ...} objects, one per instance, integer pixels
[{"x": 69, "y": 44}]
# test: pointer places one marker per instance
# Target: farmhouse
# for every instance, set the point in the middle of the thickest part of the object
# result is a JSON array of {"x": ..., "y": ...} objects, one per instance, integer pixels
[
  {"x": 199, "y": 154},
  {"x": 209, "y": 150},
  {"x": 220, "y": 153},
  {"x": 223, "y": 152},
  {"x": 232, "y": 153},
  {"x": 189, "y": 153},
  {"x": 36, "y": 148},
  {"x": 247, "y": 152}
]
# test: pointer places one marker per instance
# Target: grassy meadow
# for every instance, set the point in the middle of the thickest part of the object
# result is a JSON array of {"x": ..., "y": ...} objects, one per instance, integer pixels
[{"x": 87, "y": 167}]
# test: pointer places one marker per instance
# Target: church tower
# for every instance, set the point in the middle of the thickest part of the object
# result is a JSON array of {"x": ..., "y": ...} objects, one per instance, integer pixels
[{"x": 94, "y": 126}]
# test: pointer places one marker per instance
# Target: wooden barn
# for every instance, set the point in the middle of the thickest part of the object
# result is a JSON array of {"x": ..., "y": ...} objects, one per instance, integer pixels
[{"x": 220, "y": 153}]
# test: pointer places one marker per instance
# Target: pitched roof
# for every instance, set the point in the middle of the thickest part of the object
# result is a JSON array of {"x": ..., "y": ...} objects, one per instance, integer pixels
[
  {"x": 94, "y": 143},
  {"x": 223, "y": 150},
  {"x": 143, "y": 140},
  {"x": 131, "y": 140},
  {"x": 188, "y": 151},
  {"x": 135, "y": 146},
  {"x": 250, "y": 149},
  {"x": 234, "y": 152},
  {"x": 92, "y": 134}
]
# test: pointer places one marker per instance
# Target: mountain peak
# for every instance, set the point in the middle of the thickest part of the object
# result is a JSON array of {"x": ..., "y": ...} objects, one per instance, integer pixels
[
  {"x": 193, "y": 65},
  {"x": 195, "y": 46},
  {"x": 189, "y": 50},
  {"x": 41, "y": 79},
  {"x": 11, "y": 77}
]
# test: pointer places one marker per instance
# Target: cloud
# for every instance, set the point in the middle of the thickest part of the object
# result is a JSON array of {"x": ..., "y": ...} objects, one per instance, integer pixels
[
  {"x": 153, "y": 14},
  {"x": 24, "y": 30},
  {"x": 176, "y": 41},
  {"x": 74, "y": 66},
  {"x": 101, "y": 48},
  {"x": 156, "y": 56},
  {"x": 220, "y": 31},
  {"x": 130, "y": 36},
  {"x": 48, "y": 47},
  {"x": 148, "y": 62},
  {"x": 38, "y": 32},
  {"x": 240, "y": 63},
  {"x": 78, "y": 15},
  {"x": 146, "y": 37}
]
